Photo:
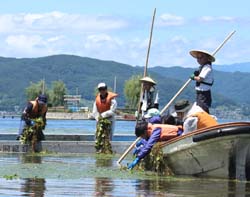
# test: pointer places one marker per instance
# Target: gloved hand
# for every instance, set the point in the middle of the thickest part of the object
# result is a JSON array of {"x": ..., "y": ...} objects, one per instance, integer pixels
[
  {"x": 29, "y": 122},
  {"x": 136, "y": 113},
  {"x": 138, "y": 147},
  {"x": 96, "y": 116},
  {"x": 134, "y": 163},
  {"x": 196, "y": 73},
  {"x": 192, "y": 76},
  {"x": 107, "y": 114},
  {"x": 136, "y": 151},
  {"x": 32, "y": 123}
]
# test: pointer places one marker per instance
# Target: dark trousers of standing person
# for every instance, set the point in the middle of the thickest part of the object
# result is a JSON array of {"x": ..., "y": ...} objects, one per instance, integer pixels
[{"x": 204, "y": 99}]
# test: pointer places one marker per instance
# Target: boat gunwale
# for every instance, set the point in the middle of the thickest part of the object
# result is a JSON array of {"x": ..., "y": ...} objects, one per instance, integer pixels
[{"x": 205, "y": 130}]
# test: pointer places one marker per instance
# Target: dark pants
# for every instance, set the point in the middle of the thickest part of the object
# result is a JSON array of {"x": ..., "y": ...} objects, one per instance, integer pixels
[{"x": 204, "y": 99}]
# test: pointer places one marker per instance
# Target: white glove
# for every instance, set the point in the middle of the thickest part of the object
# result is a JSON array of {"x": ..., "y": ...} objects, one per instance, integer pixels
[
  {"x": 107, "y": 114},
  {"x": 136, "y": 113},
  {"x": 96, "y": 116}
]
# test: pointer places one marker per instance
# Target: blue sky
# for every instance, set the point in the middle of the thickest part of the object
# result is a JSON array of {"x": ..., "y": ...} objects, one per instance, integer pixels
[{"x": 119, "y": 30}]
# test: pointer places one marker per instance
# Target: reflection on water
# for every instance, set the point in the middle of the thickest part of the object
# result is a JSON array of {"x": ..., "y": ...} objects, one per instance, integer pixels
[
  {"x": 29, "y": 158},
  {"x": 103, "y": 186},
  {"x": 33, "y": 187},
  {"x": 98, "y": 175}
]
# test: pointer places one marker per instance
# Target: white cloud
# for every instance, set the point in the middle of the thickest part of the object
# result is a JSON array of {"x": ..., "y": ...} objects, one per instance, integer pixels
[
  {"x": 170, "y": 20},
  {"x": 112, "y": 38},
  {"x": 56, "y": 38},
  {"x": 103, "y": 41},
  {"x": 24, "y": 42},
  {"x": 217, "y": 19},
  {"x": 52, "y": 21}
]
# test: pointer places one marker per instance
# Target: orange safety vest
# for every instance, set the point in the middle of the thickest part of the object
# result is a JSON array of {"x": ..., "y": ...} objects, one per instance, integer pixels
[
  {"x": 104, "y": 106},
  {"x": 35, "y": 113},
  {"x": 204, "y": 120},
  {"x": 167, "y": 131}
]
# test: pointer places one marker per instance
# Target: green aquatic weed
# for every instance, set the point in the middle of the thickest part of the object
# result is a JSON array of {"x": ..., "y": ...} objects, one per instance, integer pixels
[
  {"x": 11, "y": 177},
  {"x": 33, "y": 134},
  {"x": 103, "y": 132},
  {"x": 155, "y": 161}
]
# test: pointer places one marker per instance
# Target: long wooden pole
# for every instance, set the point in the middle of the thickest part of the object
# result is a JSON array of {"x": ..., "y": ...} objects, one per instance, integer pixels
[
  {"x": 171, "y": 101},
  {"x": 146, "y": 65},
  {"x": 189, "y": 80},
  {"x": 141, "y": 92}
]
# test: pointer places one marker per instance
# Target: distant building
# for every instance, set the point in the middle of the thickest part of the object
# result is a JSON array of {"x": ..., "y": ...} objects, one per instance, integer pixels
[{"x": 72, "y": 102}]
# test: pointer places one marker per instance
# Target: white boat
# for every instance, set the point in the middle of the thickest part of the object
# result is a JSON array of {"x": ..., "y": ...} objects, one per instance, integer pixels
[{"x": 221, "y": 151}]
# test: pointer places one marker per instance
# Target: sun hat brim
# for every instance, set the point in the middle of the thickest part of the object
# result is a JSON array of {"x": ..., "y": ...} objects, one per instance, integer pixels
[
  {"x": 148, "y": 79},
  {"x": 195, "y": 53}
]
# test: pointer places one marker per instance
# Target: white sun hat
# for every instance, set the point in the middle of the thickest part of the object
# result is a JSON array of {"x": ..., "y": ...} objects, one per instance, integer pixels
[
  {"x": 195, "y": 53},
  {"x": 148, "y": 79}
]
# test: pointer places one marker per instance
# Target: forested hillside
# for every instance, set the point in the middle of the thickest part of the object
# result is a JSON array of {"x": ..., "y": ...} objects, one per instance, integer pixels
[{"x": 84, "y": 74}]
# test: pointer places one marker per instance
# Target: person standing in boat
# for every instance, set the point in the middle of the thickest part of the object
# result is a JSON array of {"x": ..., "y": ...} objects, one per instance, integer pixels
[
  {"x": 204, "y": 78},
  {"x": 105, "y": 105},
  {"x": 34, "y": 109},
  {"x": 151, "y": 134},
  {"x": 193, "y": 116},
  {"x": 149, "y": 98}
]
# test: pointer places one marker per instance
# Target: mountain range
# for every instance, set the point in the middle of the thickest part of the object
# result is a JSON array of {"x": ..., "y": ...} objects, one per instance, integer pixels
[{"x": 231, "y": 86}]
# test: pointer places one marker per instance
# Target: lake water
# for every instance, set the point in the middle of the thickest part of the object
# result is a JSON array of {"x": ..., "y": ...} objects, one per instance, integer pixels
[
  {"x": 11, "y": 125},
  {"x": 94, "y": 174},
  {"x": 98, "y": 175}
]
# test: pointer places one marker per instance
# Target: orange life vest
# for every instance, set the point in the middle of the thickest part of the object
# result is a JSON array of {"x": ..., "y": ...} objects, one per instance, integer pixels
[
  {"x": 35, "y": 113},
  {"x": 104, "y": 106},
  {"x": 204, "y": 120},
  {"x": 167, "y": 131}
]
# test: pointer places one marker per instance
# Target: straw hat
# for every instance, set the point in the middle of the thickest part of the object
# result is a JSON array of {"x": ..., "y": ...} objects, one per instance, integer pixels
[
  {"x": 148, "y": 79},
  {"x": 195, "y": 53}
]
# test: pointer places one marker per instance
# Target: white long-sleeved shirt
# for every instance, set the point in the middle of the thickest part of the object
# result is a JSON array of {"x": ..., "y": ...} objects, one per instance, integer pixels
[
  {"x": 207, "y": 75},
  {"x": 107, "y": 114}
]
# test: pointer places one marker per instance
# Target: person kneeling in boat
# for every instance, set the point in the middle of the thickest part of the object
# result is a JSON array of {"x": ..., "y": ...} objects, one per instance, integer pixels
[
  {"x": 193, "y": 116},
  {"x": 151, "y": 134}
]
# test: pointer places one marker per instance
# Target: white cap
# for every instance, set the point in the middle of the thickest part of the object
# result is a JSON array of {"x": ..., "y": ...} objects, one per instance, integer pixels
[
  {"x": 101, "y": 85},
  {"x": 152, "y": 112}
]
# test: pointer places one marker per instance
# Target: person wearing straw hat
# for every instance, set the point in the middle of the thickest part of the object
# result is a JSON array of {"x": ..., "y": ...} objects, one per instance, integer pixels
[
  {"x": 204, "y": 78},
  {"x": 193, "y": 116},
  {"x": 149, "y": 97}
]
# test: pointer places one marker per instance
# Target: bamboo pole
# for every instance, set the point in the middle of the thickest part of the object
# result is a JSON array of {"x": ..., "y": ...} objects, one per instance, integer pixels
[
  {"x": 141, "y": 91},
  {"x": 146, "y": 65}
]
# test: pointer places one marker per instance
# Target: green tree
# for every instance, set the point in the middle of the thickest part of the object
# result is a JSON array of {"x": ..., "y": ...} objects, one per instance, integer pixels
[
  {"x": 57, "y": 93},
  {"x": 35, "y": 89},
  {"x": 132, "y": 90}
]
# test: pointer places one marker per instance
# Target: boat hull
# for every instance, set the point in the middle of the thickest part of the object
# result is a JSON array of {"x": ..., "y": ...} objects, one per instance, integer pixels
[{"x": 220, "y": 152}]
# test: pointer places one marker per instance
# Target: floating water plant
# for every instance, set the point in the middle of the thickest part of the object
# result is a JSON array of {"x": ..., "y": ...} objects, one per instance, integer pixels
[{"x": 11, "y": 177}]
